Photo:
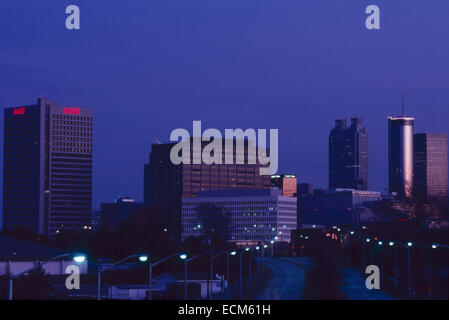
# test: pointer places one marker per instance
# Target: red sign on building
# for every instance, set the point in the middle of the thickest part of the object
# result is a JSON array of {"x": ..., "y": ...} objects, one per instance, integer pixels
[
  {"x": 18, "y": 111},
  {"x": 68, "y": 110}
]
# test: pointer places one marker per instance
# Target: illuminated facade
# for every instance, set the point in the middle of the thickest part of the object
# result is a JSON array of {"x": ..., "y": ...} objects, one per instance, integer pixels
[
  {"x": 400, "y": 155},
  {"x": 287, "y": 183},
  {"x": 167, "y": 184},
  {"x": 244, "y": 217},
  {"x": 47, "y": 167},
  {"x": 430, "y": 166}
]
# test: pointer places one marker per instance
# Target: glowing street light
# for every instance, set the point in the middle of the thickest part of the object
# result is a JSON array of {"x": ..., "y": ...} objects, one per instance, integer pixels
[
  {"x": 186, "y": 261},
  {"x": 79, "y": 258},
  {"x": 143, "y": 258}
]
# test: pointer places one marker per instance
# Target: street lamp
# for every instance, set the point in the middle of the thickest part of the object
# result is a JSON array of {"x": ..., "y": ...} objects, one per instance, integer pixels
[
  {"x": 233, "y": 253},
  {"x": 151, "y": 265},
  {"x": 78, "y": 258},
  {"x": 186, "y": 261},
  {"x": 211, "y": 271},
  {"x": 141, "y": 257},
  {"x": 408, "y": 246}
]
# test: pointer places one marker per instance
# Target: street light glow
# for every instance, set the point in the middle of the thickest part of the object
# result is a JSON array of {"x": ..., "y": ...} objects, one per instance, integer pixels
[
  {"x": 380, "y": 243},
  {"x": 79, "y": 258},
  {"x": 409, "y": 244},
  {"x": 233, "y": 253},
  {"x": 368, "y": 240},
  {"x": 352, "y": 232},
  {"x": 246, "y": 249},
  {"x": 183, "y": 256},
  {"x": 143, "y": 258},
  {"x": 391, "y": 243}
]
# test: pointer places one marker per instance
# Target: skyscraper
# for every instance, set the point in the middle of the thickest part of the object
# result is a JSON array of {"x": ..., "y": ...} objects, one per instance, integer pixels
[
  {"x": 400, "y": 155},
  {"x": 430, "y": 166},
  {"x": 167, "y": 184},
  {"x": 348, "y": 155},
  {"x": 47, "y": 167}
]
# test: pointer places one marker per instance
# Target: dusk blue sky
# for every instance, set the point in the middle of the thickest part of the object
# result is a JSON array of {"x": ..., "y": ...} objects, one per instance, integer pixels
[{"x": 147, "y": 67}]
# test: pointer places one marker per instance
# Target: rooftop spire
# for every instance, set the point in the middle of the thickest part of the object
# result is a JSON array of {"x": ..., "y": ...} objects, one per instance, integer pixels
[{"x": 403, "y": 102}]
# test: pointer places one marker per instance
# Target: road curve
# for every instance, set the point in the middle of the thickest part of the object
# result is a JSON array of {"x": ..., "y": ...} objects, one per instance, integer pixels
[{"x": 288, "y": 280}]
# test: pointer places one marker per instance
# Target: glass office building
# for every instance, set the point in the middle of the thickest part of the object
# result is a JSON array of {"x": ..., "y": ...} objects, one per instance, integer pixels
[{"x": 47, "y": 167}]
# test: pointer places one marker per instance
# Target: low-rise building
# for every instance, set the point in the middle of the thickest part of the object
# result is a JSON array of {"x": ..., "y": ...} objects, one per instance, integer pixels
[
  {"x": 337, "y": 206},
  {"x": 244, "y": 216},
  {"x": 18, "y": 255}
]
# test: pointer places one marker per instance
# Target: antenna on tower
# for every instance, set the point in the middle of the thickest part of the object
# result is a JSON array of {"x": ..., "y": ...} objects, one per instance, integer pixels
[{"x": 403, "y": 102}]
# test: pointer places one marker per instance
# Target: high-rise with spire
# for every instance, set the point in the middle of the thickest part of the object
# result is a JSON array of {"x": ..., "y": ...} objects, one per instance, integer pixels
[{"x": 400, "y": 154}]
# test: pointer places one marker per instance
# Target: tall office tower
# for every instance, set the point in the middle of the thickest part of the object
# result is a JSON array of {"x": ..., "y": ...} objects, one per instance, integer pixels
[
  {"x": 47, "y": 167},
  {"x": 430, "y": 166},
  {"x": 166, "y": 184},
  {"x": 400, "y": 155},
  {"x": 348, "y": 155},
  {"x": 287, "y": 183}
]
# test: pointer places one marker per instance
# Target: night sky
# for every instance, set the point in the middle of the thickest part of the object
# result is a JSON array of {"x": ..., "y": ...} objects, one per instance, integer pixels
[{"x": 150, "y": 66}]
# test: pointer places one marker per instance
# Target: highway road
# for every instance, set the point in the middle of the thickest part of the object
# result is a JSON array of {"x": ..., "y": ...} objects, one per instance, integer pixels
[{"x": 288, "y": 280}]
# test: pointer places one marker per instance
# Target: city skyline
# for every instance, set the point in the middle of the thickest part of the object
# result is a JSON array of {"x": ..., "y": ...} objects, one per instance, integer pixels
[
  {"x": 312, "y": 77},
  {"x": 142, "y": 198}
]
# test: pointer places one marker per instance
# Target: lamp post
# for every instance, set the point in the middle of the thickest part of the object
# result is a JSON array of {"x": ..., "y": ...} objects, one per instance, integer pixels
[
  {"x": 263, "y": 256},
  {"x": 438, "y": 245},
  {"x": 391, "y": 244},
  {"x": 408, "y": 246},
  {"x": 241, "y": 275},
  {"x": 250, "y": 266},
  {"x": 380, "y": 243},
  {"x": 186, "y": 261},
  {"x": 363, "y": 252},
  {"x": 76, "y": 258},
  {"x": 257, "y": 264},
  {"x": 211, "y": 270},
  {"x": 142, "y": 258},
  {"x": 151, "y": 265}
]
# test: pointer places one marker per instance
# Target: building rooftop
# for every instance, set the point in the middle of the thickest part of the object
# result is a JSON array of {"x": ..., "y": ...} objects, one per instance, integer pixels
[
  {"x": 12, "y": 249},
  {"x": 240, "y": 193}
]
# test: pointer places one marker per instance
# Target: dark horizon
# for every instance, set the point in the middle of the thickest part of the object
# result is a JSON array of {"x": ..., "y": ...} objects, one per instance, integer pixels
[{"x": 150, "y": 67}]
